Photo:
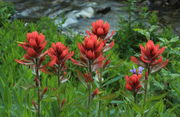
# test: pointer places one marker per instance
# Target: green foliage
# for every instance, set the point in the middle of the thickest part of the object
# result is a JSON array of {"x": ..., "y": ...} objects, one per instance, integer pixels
[
  {"x": 136, "y": 28},
  {"x": 6, "y": 11}
]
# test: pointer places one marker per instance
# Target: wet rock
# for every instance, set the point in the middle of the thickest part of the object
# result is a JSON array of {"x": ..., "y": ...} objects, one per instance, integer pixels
[
  {"x": 85, "y": 13},
  {"x": 71, "y": 18},
  {"x": 29, "y": 11},
  {"x": 177, "y": 29},
  {"x": 103, "y": 10}
]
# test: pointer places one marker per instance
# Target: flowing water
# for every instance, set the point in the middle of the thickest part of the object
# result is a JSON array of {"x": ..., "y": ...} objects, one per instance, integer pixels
[{"x": 80, "y": 13}]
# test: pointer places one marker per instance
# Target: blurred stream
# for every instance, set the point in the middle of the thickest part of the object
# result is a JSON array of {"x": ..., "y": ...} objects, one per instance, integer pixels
[{"x": 80, "y": 13}]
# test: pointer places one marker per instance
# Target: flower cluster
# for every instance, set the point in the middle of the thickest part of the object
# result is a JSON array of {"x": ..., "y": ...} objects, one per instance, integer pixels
[
  {"x": 101, "y": 30},
  {"x": 93, "y": 46},
  {"x": 133, "y": 82},
  {"x": 59, "y": 54},
  {"x": 91, "y": 50},
  {"x": 151, "y": 57},
  {"x": 34, "y": 45}
]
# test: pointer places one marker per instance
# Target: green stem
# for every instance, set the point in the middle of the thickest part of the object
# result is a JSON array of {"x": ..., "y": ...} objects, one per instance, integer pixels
[
  {"x": 89, "y": 90},
  {"x": 99, "y": 109},
  {"x": 58, "y": 76},
  {"x": 39, "y": 102},
  {"x": 99, "y": 102},
  {"x": 135, "y": 101},
  {"x": 146, "y": 87},
  {"x": 38, "y": 90},
  {"x": 59, "y": 83},
  {"x": 89, "y": 99}
]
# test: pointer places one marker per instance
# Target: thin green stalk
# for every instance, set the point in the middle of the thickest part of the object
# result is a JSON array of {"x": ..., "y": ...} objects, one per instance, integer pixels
[
  {"x": 38, "y": 89},
  {"x": 89, "y": 99},
  {"x": 99, "y": 102},
  {"x": 89, "y": 90},
  {"x": 39, "y": 102},
  {"x": 135, "y": 93},
  {"x": 89, "y": 95},
  {"x": 58, "y": 76},
  {"x": 146, "y": 86},
  {"x": 99, "y": 109},
  {"x": 59, "y": 83}
]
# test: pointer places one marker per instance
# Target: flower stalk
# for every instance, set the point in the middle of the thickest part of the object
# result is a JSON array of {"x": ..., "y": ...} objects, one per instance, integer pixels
[
  {"x": 146, "y": 85},
  {"x": 135, "y": 99},
  {"x": 34, "y": 45},
  {"x": 38, "y": 89}
]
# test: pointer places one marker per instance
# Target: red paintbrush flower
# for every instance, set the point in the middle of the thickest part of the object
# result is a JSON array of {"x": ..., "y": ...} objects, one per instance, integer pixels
[
  {"x": 151, "y": 56},
  {"x": 133, "y": 82},
  {"x": 91, "y": 47},
  {"x": 91, "y": 51},
  {"x": 101, "y": 30},
  {"x": 59, "y": 54},
  {"x": 33, "y": 46}
]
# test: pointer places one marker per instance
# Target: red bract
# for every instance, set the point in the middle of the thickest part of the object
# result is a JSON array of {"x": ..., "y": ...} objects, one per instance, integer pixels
[
  {"x": 34, "y": 46},
  {"x": 100, "y": 28},
  {"x": 151, "y": 56},
  {"x": 91, "y": 48},
  {"x": 91, "y": 51},
  {"x": 59, "y": 55},
  {"x": 133, "y": 82}
]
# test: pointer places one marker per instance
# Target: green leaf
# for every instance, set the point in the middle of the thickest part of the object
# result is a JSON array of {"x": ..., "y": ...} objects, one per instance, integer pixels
[
  {"x": 117, "y": 102},
  {"x": 143, "y": 32},
  {"x": 108, "y": 97},
  {"x": 154, "y": 98},
  {"x": 113, "y": 80}
]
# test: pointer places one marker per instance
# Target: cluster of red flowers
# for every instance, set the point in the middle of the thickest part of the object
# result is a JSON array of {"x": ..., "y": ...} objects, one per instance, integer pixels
[
  {"x": 59, "y": 54},
  {"x": 92, "y": 48},
  {"x": 151, "y": 57},
  {"x": 33, "y": 46},
  {"x": 133, "y": 82},
  {"x": 101, "y": 30},
  {"x": 92, "y": 56}
]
